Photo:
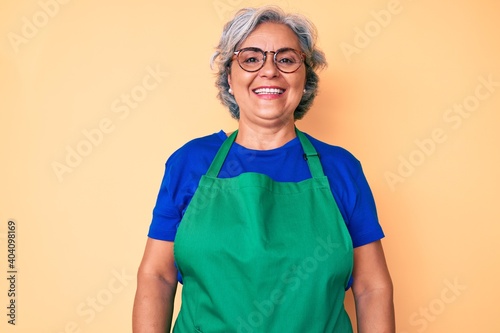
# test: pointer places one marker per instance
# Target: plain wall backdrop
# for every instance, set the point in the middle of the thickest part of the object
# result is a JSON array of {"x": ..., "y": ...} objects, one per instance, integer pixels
[{"x": 96, "y": 95}]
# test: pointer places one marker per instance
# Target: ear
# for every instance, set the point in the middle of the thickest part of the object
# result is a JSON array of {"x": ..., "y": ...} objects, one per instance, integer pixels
[{"x": 229, "y": 79}]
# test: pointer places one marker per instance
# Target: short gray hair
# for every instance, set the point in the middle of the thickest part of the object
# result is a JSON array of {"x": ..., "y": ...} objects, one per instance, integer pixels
[{"x": 241, "y": 26}]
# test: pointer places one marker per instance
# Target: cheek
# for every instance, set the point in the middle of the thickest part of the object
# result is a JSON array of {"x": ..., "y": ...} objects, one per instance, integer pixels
[
  {"x": 299, "y": 85},
  {"x": 240, "y": 80},
  {"x": 299, "y": 81},
  {"x": 303, "y": 79}
]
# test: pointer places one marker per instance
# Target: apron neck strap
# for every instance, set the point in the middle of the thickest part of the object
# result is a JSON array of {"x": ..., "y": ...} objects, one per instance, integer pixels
[
  {"x": 219, "y": 159},
  {"x": 310, "y": 155}
]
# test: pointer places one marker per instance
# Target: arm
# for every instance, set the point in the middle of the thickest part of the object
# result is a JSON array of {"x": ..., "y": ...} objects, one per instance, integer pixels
[
  {"x": 372, "y": 289},
  {"x": 156, "y": 286}
]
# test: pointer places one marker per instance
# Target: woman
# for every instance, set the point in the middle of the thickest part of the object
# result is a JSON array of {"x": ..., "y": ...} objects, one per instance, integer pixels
[{"x": 271, "y": 226}]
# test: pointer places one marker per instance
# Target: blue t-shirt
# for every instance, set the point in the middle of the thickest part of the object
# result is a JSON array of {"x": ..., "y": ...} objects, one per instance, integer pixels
[{"x": 185, "y": 167}]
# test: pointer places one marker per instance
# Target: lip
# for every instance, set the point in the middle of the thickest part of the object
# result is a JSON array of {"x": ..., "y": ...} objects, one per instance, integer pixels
[{"x": 269, "y": 95}]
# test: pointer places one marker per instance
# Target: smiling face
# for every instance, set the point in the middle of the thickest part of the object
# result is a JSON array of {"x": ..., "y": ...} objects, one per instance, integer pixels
[{"x": 268, "y": 97}]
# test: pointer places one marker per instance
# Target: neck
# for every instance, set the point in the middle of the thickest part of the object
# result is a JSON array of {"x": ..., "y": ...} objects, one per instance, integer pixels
[{"x": 259, "y": 138}]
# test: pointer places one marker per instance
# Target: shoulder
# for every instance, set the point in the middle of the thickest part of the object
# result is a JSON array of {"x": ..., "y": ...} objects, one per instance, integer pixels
[
  {"x": 337, "y": 156},
  {"x": 193, "y": 159},
  {"x": 351, "y": 191},
  {"x": 344, "y": 171},
  {"x": 198, "y": 150},
  {"x": 187, "y": 164}
]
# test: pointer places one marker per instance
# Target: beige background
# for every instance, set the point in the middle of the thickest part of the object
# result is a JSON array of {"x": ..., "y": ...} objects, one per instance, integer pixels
[{"x": 391, "y": 95}]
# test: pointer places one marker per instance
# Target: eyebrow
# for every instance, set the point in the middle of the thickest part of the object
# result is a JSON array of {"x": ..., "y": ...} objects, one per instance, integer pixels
[{"x": 258, "y": 48}]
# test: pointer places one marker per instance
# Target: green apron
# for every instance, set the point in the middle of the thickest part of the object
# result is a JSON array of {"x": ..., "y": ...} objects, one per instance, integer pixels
[{"x": 263, "y": 256}]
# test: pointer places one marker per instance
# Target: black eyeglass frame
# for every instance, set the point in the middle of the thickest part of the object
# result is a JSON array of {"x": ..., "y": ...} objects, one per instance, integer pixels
[{"x": 301, "y": 54}]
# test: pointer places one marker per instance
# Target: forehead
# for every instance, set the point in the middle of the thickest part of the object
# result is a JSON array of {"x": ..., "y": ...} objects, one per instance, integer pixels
[{"x": 272, "y": 36}]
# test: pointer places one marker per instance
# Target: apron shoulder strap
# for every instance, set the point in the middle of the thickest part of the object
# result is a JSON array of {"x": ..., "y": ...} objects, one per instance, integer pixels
[
  {"x": 310, "y": 155},
  {"x": 214, "y": 169}
]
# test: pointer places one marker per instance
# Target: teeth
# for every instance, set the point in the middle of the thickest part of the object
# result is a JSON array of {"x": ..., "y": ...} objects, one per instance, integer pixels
[{"x": 269, "y": 91}]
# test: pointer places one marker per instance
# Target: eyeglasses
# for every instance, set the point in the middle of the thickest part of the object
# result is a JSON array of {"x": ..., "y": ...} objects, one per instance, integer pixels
[{"x": 252, "y": 59}]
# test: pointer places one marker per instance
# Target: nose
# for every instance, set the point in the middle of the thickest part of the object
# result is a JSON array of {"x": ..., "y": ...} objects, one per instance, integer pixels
[{"x": 269, "y": 69}]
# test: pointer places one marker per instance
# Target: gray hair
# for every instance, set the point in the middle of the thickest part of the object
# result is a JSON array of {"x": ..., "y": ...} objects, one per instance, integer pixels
[{"x": 241, "y": 26}]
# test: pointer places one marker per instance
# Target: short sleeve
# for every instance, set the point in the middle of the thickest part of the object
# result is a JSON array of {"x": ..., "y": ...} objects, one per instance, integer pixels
[
  {"x": 176, "y": 190},
  {"x": 166, "y": 216},
  {"x": 362, "y": 219}
]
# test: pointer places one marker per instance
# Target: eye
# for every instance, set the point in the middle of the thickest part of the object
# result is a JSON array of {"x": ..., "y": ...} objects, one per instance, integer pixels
[
  {"x": 288, "y": 57},
  {"x": 250, "y": 56},
  {"x": 287, "y": 60},
  {"x": 250, "y": 60}
]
